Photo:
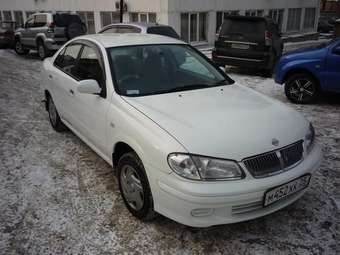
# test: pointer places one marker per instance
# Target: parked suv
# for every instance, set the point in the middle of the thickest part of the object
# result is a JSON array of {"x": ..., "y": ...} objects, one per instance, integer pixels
[
  {"x": 7, "y": 29},
  {"x": 248, "y": 42},
  {"x": 140, "y": 28},
  {"x": 46, "y": 32}
]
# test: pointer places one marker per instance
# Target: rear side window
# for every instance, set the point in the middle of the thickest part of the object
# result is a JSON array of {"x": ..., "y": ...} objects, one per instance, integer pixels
[
  {"x": 40, "y": 20},
  {"x": 126, "y": 29},
  {"x": 243, "y": 27},
  {"x": 166, "y": 31},
  {"x": 67, "y": 59},
  {"x": 110, "y": 30}
]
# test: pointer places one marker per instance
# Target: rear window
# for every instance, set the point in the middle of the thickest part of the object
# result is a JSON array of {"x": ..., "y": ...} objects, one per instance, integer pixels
[
  {"x": 64, "y": 19},
  {"x": 243, "y": 27},
  {"x": 166, "y": 31}
]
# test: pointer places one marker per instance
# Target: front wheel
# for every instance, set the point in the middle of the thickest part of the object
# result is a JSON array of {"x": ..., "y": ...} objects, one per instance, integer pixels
[
  {"x": 134, "y": 187},
  {"x": 19, "y": 48},
  {"x": 302, "y": 88},
  {"x": 54, "y": 117}
]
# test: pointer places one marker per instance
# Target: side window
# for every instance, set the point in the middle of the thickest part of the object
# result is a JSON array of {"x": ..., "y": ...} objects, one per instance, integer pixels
[
  {"x": 126, "y": 29},
  {"x": 40, "y": 20},
  {"x": 29, "y": 23},
  {"x": 67, "y": 59},
  {"x": 110, "y": 30},
  {"x": 89, "y": 66}
]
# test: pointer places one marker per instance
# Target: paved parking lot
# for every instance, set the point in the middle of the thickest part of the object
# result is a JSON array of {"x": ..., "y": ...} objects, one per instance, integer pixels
[{"x": 59, "y": 197}]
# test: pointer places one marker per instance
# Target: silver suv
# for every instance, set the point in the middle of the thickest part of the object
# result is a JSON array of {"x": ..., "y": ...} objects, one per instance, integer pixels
[{"x": 47, "y": 32}]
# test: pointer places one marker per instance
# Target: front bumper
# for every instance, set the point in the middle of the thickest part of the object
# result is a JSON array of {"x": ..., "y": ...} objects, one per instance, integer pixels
[{"x": 216, "y": 203}]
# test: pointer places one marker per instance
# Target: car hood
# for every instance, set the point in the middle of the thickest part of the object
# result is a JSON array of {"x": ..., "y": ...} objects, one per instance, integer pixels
[
  {"x": 307, "y": 53},
  {"x": 232, "y": 122}
]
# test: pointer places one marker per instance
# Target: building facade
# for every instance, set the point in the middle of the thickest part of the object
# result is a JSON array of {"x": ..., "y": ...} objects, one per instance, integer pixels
[{"x": 195, "y": 20}]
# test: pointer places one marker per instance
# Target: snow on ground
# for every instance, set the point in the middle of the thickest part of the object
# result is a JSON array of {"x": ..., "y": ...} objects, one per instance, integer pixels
[{"x": 59, "y": 197}]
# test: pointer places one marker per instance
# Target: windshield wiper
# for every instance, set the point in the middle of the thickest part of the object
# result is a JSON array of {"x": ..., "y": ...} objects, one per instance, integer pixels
[
  {"x": 186, "y": 87},
  {"x": 221, "y": 82}
]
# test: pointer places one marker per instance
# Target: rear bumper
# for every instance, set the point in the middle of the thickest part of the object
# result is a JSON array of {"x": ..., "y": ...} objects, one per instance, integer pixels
[
  {"x": 241, "y": 61},
  {"x": 204, "y": 204}
]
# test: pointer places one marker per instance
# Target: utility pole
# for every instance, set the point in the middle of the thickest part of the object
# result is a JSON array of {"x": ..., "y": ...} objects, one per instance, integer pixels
[{"x": 121, "y": 10}]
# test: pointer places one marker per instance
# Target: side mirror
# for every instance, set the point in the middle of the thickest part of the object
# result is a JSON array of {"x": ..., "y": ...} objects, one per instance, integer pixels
[
  {"x": 336, "y": 51},
  {"x": 89, "y": 87}
]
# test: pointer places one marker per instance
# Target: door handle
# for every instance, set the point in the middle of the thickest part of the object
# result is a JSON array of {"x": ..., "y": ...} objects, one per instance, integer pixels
[
  {"x": 71, "y": 92},
  {"x": 50, "y": 76}
]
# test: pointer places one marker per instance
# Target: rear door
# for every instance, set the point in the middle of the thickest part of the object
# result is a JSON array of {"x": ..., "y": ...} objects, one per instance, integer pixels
[
  {"x": 65, "y": 81},
  {"x": 40, "y": 26},
  {"x": 26, "y": 33},
  {"x": 242, "y": 37}
]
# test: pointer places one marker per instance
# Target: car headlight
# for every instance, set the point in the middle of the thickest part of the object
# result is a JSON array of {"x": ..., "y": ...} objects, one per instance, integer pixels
[
  {"x": 309, "y": 138},
  {"x": 204, "y": 168}
]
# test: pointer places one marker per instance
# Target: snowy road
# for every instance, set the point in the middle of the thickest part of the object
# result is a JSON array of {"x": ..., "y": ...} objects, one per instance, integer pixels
[{"x": 59, "y": 197}]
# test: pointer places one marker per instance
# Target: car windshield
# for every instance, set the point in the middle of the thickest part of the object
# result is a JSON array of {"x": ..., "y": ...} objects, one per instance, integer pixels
[{"x": 157, "y": 69}]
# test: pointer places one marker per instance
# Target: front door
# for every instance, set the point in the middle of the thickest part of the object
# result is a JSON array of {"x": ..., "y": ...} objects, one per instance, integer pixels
[
  {"x": 26, "y": 33},
  {"x": 89, "y": 110},
  {"x": 332, "y": 73}
]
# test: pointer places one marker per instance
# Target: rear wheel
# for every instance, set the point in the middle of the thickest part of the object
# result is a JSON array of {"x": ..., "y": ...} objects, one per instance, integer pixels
[
  {"x": 134, "y": 186},
  {"x": 19, "y": 49},
  {"x": 302, "y": 88},
  {"x": 42, "y": 51}
]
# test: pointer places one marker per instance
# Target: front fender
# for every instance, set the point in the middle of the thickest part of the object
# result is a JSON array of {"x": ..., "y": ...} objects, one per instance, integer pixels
[{"x": 313, "y": 66}]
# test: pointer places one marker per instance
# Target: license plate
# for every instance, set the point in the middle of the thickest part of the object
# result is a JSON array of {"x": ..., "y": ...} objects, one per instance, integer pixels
[
  {"x": 240, "y": 46},
  {"x": 273, "y": 195}
]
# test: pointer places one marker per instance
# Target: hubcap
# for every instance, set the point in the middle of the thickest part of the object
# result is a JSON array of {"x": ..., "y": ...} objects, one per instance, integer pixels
[
  {"x": 302, "y": 90},
  {"x": 18, "y": 47},
  {"x": 52, "y": 112},
  {"x": 132, "y": 187}
]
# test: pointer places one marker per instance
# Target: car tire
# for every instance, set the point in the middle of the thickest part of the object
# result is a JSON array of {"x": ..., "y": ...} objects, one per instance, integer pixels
[
  {"x": 54, "y": 117},
  {"x": 302, "y": 88},
  {"x": 134, "y": 187},
  {"x": 19, "y": 49},
  {"x": 42, "y": 51}
]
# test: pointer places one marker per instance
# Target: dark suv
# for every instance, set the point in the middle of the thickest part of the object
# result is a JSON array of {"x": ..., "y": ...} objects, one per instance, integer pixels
[
  {"x": 46, "y": 32},
  {"x": 248, "y": 42}
]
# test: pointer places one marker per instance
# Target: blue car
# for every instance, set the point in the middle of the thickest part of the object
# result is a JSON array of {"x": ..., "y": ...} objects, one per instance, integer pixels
[{"x": 308, "y": 72}]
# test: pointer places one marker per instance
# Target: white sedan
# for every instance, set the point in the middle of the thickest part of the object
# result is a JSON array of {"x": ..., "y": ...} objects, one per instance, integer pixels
[{"x": 186, "y": 141}]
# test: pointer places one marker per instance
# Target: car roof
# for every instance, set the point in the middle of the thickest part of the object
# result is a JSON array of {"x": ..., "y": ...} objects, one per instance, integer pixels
[
  {"x": 130, "y": 39},
  {"x": 249, "y": 18},
  {"x": 138, "y": 24}
]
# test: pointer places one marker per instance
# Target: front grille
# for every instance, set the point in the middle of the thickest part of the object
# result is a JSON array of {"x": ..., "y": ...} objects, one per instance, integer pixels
[{"x": 275, "y": 161}]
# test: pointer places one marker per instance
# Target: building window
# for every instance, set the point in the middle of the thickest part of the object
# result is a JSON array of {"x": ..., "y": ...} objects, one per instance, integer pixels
[
  {"x": 88, "y": 19},
  {"x": 0, "y": 16},
  {"x": 277, "y": 16},
  {"x": 143, "y": 17},
  {"x": 294, "y": 19},
  {"x": 108, "y": 18},
  {"x": 194, "y": 27},
  {"x": 253, "y": 13},
  {"x": 221, "y": 16},
  {"x": 18, "y": 17},
  {"x": 7, "y": 15},
  {"x": 309, "y": 21}
]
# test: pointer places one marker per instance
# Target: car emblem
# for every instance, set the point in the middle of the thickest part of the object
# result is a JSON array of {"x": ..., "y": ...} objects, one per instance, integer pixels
[{"x": 275, "y": 142}]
